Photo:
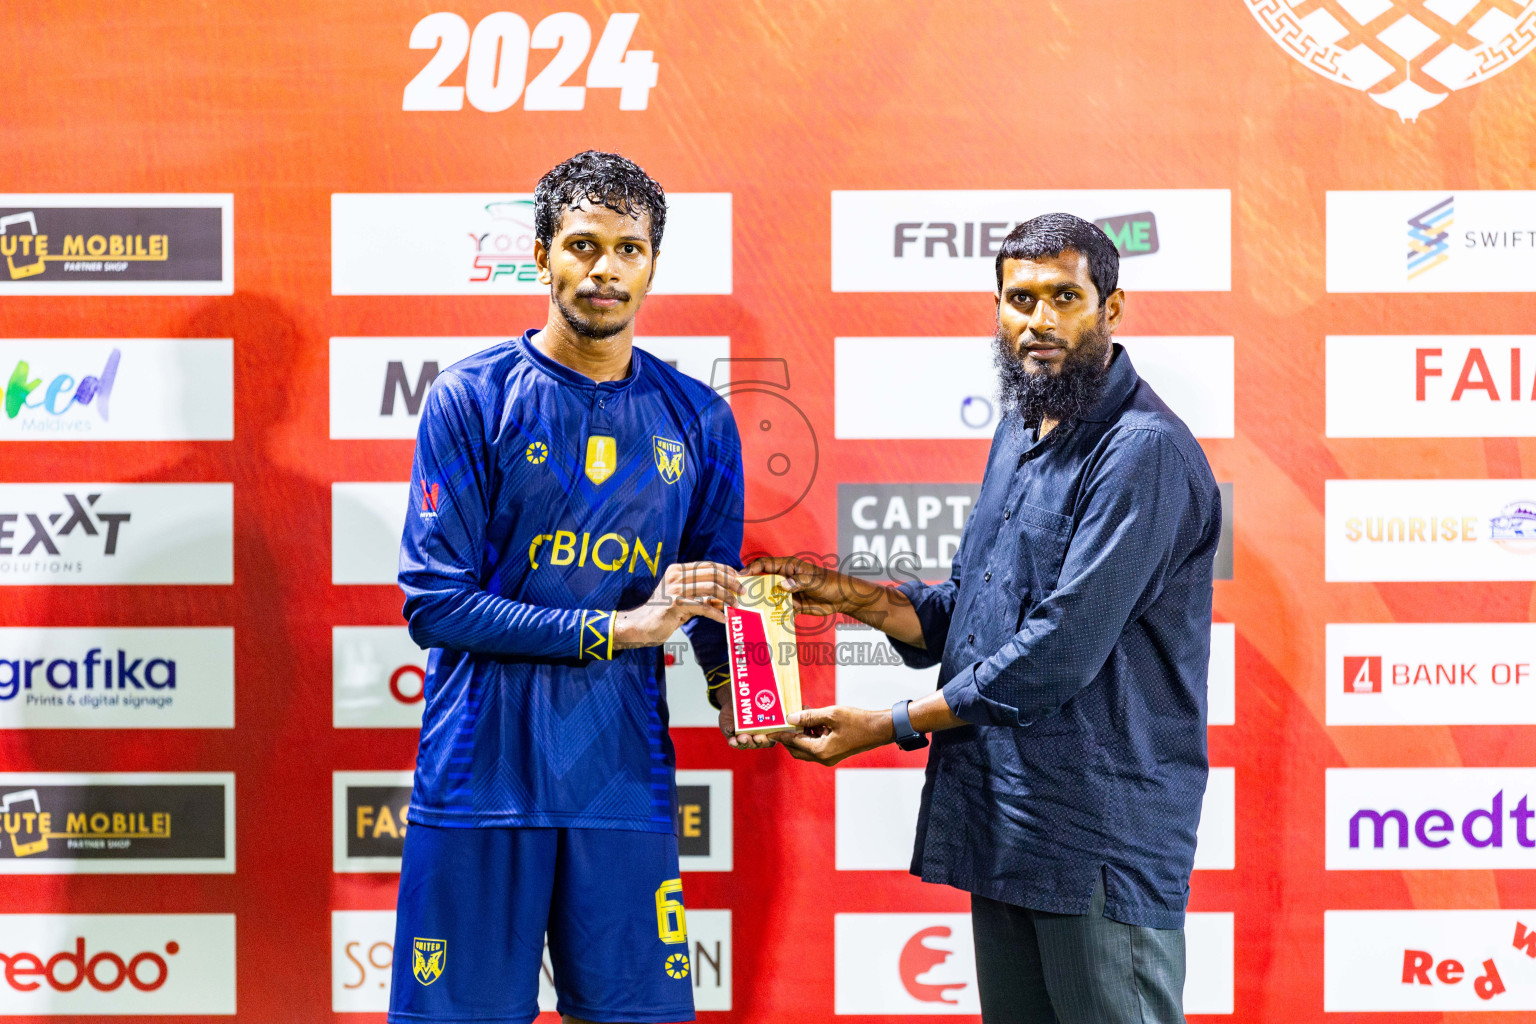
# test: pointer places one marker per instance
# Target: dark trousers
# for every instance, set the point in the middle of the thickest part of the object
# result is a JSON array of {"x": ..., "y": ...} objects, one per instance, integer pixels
[{"x": 1033, "y": 967}]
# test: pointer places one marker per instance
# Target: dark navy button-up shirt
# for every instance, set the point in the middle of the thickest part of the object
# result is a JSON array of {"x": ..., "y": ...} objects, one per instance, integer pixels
[{"x": 1075, "y": 635}]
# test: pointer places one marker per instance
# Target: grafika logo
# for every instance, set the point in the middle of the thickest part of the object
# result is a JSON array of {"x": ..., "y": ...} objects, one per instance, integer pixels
[
  {"x": 1429, "y": 235},
  {"x": 51, "y": 402},
  {"x": 1407, "y": 55},
  {"x": 504, "y": 248}
]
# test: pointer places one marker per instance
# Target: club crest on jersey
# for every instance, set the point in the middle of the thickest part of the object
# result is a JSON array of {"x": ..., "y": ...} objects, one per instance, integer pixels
[
  {"x": 602, "y": 458},
  {"x": 429, "y": 959},
  {"x": 669, "y": 458}
]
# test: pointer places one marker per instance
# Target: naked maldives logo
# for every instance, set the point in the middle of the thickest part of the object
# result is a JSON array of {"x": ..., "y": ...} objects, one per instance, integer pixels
[
  {"x": 1407, "y": 55},
  {"x": 62, "y": 392},
  {"x": 1429, "y": 237}
]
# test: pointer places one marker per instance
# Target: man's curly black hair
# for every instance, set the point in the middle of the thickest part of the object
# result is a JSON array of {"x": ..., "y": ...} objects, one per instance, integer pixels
[{"x": 604, "y": 179}]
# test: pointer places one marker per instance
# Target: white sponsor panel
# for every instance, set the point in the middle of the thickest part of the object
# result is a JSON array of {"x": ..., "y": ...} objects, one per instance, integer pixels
[
  {"x": 876, "y": 817},
  {"x": 870, "y": 673},
  {"x": 1428, "y": 531},
  {"x": 1216, "y": 838},
  {"x": 367, "y": 522},
  {"x": 1454, "y": 241},
  {"x": 124, "y": 678},
  {"x": 420, "y": 243},
  {"x": 117, "y": 243},
  {"x": 945, "y": 388},
  {"x": 687, "y": 692},
  {"x": 85, "y": 533},
  {"x": 118, "y": 389},
  {"x": 379, "y": 385},
  {"x": 1428, "y": 960},
  {"x": 378, "y": 678},
  {"x": 1171, "y": 240},
  {"x": 1221, "y": 682},
  {"x": 74, "y": 835},
  {"x": 368, "y": 827},
  {"x": 117, "y": 965},
  {"x": 1431, "y": 386},
  {"x": 362, "y": 954},
  {"x": 1398, "y": 819},
  {"x": 877, "y": 809},
  {"x": 926, "y": 964},
  {"x": 1431, "y": 673},
  {"x": 708, "y": 830},
  {"x": 1209, "y": 939}
]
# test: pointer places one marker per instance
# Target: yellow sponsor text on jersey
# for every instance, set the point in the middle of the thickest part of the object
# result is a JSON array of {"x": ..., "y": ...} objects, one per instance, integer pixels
[
  {"x": 610, "y": 552},
  {"x": 602, "y": 457}
]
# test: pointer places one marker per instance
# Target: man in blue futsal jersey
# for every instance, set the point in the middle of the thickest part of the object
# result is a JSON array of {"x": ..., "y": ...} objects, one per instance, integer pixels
[{"x": 574, "y": 501}]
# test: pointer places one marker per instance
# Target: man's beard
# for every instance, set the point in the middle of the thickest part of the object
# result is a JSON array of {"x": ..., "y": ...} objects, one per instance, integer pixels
[
  {"x": 1060, "y": 396},
  {"x": 585, "y": 327}
]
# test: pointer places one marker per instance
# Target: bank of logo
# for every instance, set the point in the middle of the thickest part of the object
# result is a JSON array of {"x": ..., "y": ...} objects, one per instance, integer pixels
[
  {"x": 669, "y": 459},
  {"x": 503, "y": 243},
  {"x": 918, "y": 958},
  {"x": 1514, "y": 529},
  {"x": 1428, "y": 237},
  {"x": 1362, "y": 675},
  {"x": 602, "y": 458},
  {"x": 133, "y": 823},
  {"x": 1406, "y": 55},
  {"x": 428, "y": 501},
  {"x": 677, "y": 965},
  {"x": 429, "y": 959},
  {"x": 1134, "y": 234},
  {"x": 536, "y": 453}
]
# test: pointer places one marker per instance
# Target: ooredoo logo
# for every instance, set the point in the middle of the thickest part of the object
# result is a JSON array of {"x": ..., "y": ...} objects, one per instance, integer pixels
[
  {"x": 105, "y": 971},
  {"x": 115, "y": 964},
  {"x": 918, "y": 958}
]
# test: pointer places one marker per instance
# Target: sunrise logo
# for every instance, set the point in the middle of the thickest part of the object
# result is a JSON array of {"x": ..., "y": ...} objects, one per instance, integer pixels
[{"x": 1428, "y": 235}]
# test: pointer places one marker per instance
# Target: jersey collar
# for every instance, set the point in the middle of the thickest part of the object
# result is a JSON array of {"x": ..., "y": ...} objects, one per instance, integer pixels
[{"x": 565, "y": 375}]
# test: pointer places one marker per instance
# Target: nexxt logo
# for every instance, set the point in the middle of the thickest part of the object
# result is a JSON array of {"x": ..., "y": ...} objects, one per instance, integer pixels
[{"x": 46, "y": 528}]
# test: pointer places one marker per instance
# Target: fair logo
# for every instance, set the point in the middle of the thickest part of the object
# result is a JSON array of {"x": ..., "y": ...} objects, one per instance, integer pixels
[
  {"x": 1362, "y": 675},
  {"x": 1429, "y": 237},
  {"x": 918, "y": 958},
  {"x": 1407, "y": 55}
]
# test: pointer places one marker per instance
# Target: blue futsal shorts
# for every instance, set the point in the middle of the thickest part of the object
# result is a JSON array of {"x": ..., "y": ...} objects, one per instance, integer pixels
[{"x": 476, "y": 904}]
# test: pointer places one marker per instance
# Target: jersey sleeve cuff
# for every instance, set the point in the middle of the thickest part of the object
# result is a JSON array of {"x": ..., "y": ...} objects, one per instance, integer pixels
[
  {"x": 716, "y": 679},
  {"x": 596, "y": 643}
]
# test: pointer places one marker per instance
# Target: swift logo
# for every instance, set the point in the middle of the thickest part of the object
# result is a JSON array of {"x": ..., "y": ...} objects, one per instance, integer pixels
[
  {"x": 1427, "y": 237},
  {"x": 918, "y": 958}
]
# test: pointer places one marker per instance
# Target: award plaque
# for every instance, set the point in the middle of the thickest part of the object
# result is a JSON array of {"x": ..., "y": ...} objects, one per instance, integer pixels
[{"x": 765, "y": 665}]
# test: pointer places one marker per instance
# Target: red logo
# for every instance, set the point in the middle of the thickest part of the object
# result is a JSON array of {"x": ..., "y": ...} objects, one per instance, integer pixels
[
  {"x": 428, "y": 497},
  {"x": 421, "y": 684},
  {"x": 1362, "y": 675},
  {"x": 918, "y": 959},
  {"x": 106, "y": 972}
]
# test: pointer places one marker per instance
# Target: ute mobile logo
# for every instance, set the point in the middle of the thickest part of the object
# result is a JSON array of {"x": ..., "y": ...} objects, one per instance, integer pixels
[
  {"x": 63, "y": 391},
  {"x": 505, "y": 247},
  {"x": 1406, "y": 55},
  {"x": 1428, "y": 237}
]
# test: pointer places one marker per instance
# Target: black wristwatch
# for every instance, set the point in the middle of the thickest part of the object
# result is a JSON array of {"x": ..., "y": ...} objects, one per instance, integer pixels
[{"x": 907, "y": 738}]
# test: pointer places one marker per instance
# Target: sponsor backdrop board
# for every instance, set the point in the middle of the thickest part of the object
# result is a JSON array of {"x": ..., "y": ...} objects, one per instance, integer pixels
[{"x": 1324, "y": 215}]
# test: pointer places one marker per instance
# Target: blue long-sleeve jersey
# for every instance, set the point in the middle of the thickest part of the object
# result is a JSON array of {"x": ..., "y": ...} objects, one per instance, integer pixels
[{"x": 541, "y": 503}]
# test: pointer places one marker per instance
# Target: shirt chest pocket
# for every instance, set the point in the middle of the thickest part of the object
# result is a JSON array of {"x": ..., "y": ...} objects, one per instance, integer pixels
[{"x": 1042, "y": 537}]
